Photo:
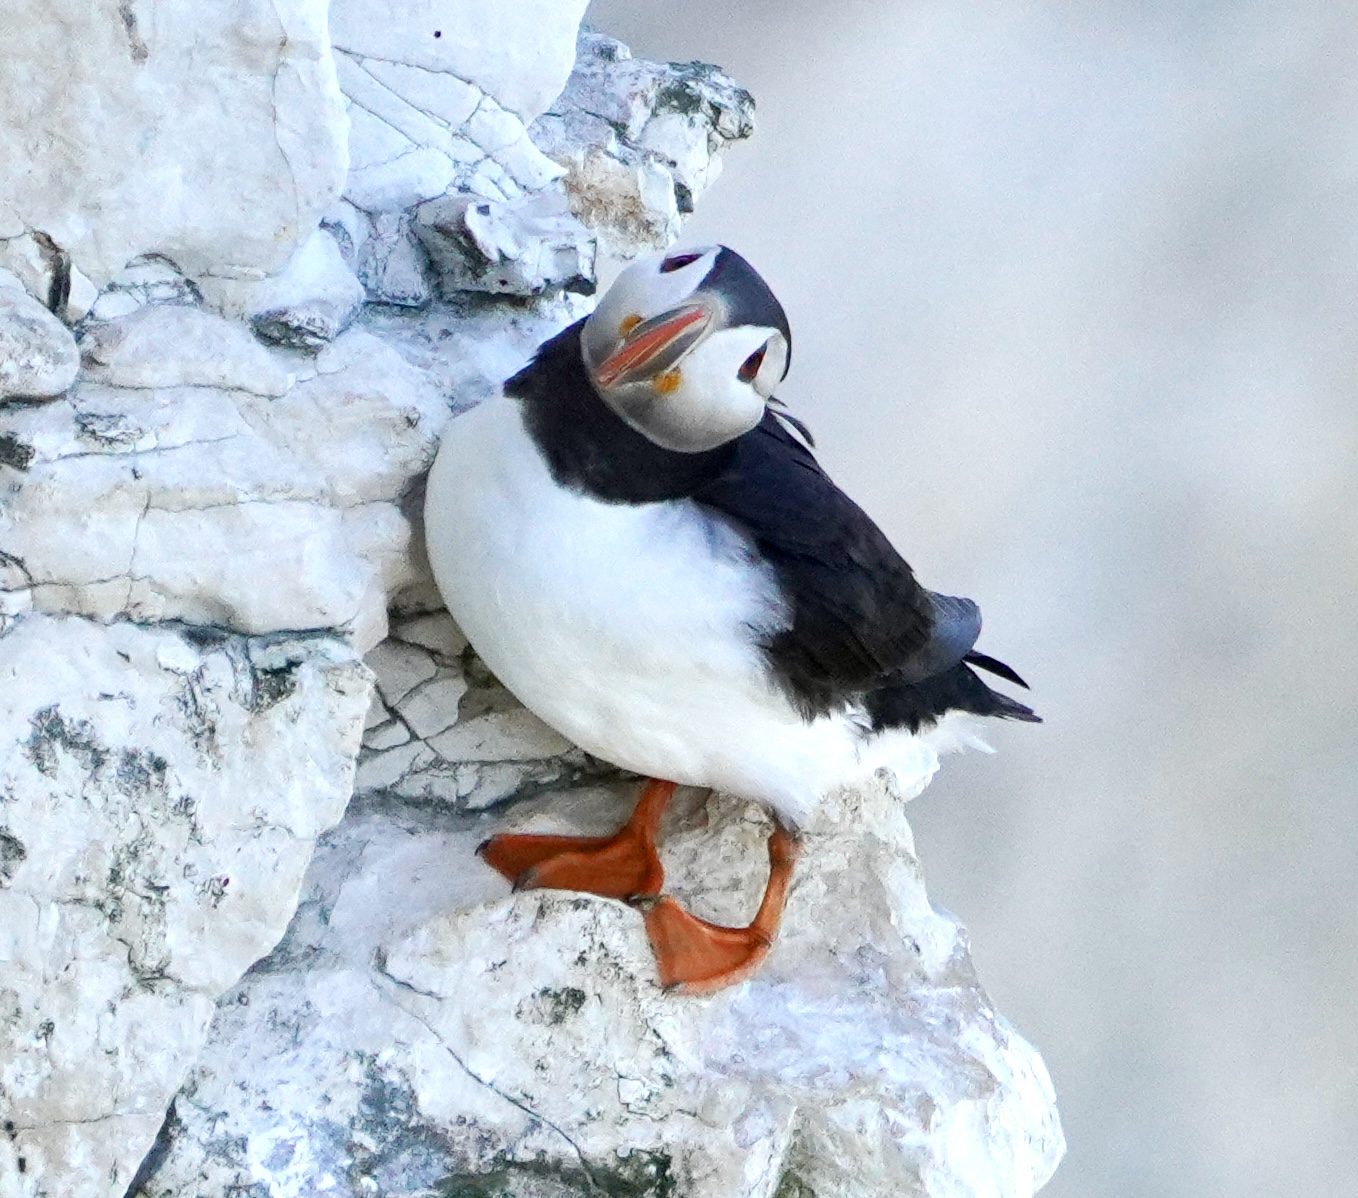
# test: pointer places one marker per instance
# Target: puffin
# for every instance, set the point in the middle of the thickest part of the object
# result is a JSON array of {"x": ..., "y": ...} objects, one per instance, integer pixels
[{"x": 637, "y": 539}]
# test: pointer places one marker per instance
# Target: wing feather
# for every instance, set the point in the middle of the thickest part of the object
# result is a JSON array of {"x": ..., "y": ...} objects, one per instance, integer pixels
[{"x": 858, "y": 617}]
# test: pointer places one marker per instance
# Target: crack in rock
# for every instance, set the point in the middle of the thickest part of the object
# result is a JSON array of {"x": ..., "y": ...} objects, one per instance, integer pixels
[{"x": 399, "y": 984}]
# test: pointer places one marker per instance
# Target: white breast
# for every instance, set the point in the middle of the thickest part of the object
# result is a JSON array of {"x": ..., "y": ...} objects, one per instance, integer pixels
[{"x": 629, "y": 628}]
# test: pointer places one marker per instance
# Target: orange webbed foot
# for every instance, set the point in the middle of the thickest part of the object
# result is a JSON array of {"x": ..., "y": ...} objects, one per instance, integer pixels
[
  {"x": 696, "y": 957},
  {"x": 624, "y": 865}
]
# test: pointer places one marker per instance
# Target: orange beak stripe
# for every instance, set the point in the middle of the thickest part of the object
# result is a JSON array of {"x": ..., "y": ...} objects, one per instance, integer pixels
[{"x": 640, "y": 350}]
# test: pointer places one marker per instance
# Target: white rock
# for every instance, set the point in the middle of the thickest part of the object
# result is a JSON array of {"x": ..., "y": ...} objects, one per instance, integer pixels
[
  {"x": 38, "y": 355},
  {"x": 470, "y": 345},
  {"x": 432, "y": 709},
  {"x": 466, "y": 1039},
  {"x": 417, "y": 1031},
  {"x": 514, "y": 735},
  {"x": 145, "y": 280},
  {"x": 640, "y": 140},
  {"x": 113, "y": 304},
  {"x": 382, "y": 769},
  {"x": 448, "y": 732},
  {"x": 377, "y": 712},
  {"x": 391, "y": 263},
  {"x": 386, "y": 736},
  {"x": 434, "y": 631},
  {"x": 398, "y": 669},
  {"x": 348, "y": 226},
  {"x": 438, "y": 94},
  {"x": 389, "y": 172},
  {"x": 171, "y": 346},
  {"x": 213, "y": 136},
  {"x": 518, "y": 54},
  {"x": 384, "y": 252},
  {"x": 631, "y": 205},
  {"x": 222, "y": 507},
  {"x": 306, "y": 305},
  {"x": 522, "y": 246},
  {"x": 439, "y": 98},
  {"x": 46, "y": 272},
  {"x": 161, "y": 797}
]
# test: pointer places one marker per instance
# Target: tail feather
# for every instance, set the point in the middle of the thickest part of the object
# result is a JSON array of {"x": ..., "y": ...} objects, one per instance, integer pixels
[
  {"x": 995, "y": 666},
  {"x": 1011, "y": 709},
  {"x": 917, "y": 705}
]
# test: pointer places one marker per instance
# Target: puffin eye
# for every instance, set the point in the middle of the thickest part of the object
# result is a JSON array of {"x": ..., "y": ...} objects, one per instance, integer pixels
[
  {"x": 750, "y": 367},
  {"x": 678, "y": 262}
]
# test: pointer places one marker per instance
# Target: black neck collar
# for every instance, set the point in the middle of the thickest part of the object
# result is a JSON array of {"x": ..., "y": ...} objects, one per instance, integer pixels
[{"x": 589, "y": 447}]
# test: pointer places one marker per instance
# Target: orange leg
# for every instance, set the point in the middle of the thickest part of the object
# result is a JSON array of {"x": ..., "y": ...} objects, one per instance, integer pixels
[
  {"x": 697, "y": 957},
  {"x": 624, "y": 865}
]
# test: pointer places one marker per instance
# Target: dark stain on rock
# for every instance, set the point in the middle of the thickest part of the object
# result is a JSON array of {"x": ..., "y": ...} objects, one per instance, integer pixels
[
  {"x": 203, "y": 636},
  {"x": 54, "y": 734},
  {"x": 142, "y": 772},
  {"x": 199, "y": 713},
  {"x": 636, "y": 1175},
  {"x": 398, "y": 1150},
  {"x": 110, "y": 430},
  {"x": 561, "y": 1004},
  {"x": 12, "y": 853},
  {"x": 135, "y": 43},
  {"x": 14, "y": 452},
  {"x": 682, "y": 95},
  {"x": 296, "y": 328},
  {"x": 272, "y": 686},
  {"x": 793, "y": 1186},
  {"x": 58, "y": 261}
]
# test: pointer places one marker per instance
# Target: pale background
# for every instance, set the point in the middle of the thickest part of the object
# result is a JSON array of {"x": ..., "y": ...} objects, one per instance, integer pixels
[{"x": 1072, "y": 295}]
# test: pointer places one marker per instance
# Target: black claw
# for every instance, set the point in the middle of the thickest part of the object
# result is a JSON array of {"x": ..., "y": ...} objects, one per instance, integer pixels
[
  {"x": 485, "y": 844},
  {"x": 642, "y": 902}
]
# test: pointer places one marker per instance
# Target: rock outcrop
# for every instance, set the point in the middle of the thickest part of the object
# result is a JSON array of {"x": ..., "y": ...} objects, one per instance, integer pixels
[
  {"x": 161, "y": 791},
  {"x": 38, "y": 355},
  {"x": 472, "y": 1042},
  {"x": 249, "y": 268},
  {"x": 214, "y": 137}
]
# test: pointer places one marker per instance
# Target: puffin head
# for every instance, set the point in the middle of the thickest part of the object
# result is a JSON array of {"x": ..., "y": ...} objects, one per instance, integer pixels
[{"x": 687, "y": 347}]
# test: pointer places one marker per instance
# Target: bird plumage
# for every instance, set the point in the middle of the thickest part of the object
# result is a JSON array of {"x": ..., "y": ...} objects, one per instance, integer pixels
[
  {"x": 860, "y": 624},
  {"x": 639, "y": 541},
  {"x": 726, "y": 618}
]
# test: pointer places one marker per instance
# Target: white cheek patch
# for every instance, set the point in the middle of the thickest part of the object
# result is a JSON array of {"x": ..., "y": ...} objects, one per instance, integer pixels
[
  {"x": 773, "y": 369},
  {"x": 711, "y": 404}
]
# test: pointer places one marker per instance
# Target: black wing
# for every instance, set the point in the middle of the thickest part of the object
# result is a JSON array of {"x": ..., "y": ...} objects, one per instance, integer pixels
[{"x": 859, "y": 619}]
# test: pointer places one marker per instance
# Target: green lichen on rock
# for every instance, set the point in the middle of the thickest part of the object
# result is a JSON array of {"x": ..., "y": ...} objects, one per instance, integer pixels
[
  {"x": 272, "y": 686},
  {"x": 702, "y": 91},
  {"x": 793, "y": 1186}
]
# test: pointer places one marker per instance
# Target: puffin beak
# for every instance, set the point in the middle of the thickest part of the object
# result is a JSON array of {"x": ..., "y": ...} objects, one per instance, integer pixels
[{"x": 655, "y": 344}]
